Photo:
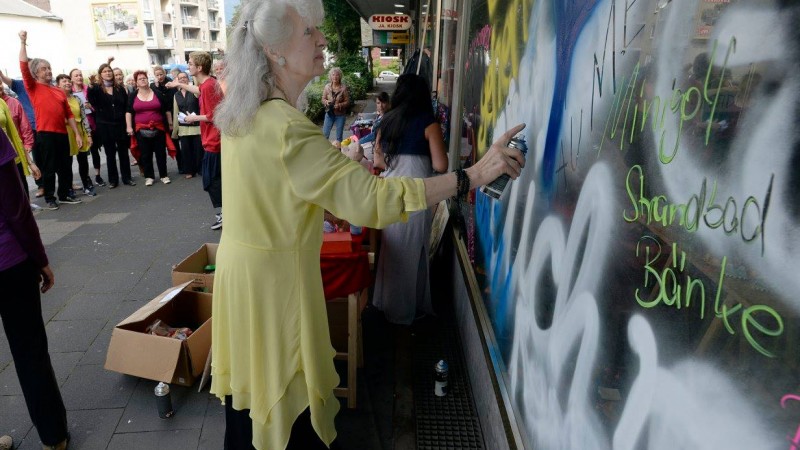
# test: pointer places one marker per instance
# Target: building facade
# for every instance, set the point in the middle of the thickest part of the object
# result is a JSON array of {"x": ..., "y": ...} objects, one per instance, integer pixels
[{"x": 137, "y": 33}]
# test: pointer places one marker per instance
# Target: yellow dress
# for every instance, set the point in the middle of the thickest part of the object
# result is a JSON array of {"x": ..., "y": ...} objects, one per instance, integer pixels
[
  {"x": 76, "y": 106},
  {"x": 7, "y": 125},
  {"x": 271, "y": 345}
]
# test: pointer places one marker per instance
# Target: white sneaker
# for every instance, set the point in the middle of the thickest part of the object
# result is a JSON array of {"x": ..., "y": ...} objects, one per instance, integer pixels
[
  {"x": 148, "y": 181},
  {"x": 218, "y": 224},
  {"x": 166, "y": 180}
]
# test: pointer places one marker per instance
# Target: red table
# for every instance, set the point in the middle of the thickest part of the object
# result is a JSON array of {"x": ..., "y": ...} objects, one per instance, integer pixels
[{"x": 345, "y": 279}]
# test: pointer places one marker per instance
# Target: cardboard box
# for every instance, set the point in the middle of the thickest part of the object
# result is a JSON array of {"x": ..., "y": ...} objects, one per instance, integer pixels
[
  {"x": 192, "y": 269},
  {"x": 133, "y": 351},
  {"x": 339, "y": 242}
]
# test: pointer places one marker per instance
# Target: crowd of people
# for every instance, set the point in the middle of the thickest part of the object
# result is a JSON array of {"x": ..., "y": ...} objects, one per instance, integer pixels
[{"x": 53, "y": 120}]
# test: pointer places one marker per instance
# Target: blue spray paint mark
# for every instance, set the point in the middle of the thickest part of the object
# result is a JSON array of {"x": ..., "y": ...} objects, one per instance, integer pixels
[
  {"x": 570, "y": 17},
  {"x": 486, "y": 212}
]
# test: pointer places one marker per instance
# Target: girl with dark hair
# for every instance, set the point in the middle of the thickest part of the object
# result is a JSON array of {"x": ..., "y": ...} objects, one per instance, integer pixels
[
  {"x": 409, "y": 144},
  {"x": 109, "y": 101}
]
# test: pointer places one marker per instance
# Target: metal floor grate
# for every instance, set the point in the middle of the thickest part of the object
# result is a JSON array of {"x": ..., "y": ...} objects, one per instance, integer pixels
[{"x": 447, "y": 422}]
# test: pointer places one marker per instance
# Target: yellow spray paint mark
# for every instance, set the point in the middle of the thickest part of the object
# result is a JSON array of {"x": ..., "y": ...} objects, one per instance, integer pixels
[{"x": 509, "y": 35}]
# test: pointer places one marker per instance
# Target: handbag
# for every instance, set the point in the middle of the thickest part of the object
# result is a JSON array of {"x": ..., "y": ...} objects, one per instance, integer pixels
[
  {"x": 329, "y": 110},
  {"x": 148, "y": 133}
]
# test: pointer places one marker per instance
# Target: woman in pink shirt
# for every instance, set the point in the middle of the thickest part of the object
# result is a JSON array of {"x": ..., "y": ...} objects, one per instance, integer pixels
[{"x": 149, "y": 119}]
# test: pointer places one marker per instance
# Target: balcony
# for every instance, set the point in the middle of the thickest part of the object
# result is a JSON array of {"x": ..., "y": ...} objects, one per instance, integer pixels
[
  {"x": 166, "y": 17},
  {"x": 189, "y": 2},
  {"x": 213, "y": 4},
  {"x": 190, "y": 22},
  {"x": 192, "y": 44},
  {"x": 147, "y": 15},
  {"x": 214, "y": 24},
  {"x": 168, "y": 43},
  {"x": 150, "y": 42}
]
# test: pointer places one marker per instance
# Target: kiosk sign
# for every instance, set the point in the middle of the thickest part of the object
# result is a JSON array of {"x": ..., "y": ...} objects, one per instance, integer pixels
[{"x": 391, "y": 22}]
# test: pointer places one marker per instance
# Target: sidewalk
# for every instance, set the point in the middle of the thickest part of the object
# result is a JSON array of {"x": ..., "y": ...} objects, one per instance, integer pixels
[{"x": 111, "y": 255}]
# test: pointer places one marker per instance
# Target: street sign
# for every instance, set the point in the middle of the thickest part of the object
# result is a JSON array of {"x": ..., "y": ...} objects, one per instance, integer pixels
[
  {"x": 390, "y": 22},
  {"x": 390, "y": 37}
]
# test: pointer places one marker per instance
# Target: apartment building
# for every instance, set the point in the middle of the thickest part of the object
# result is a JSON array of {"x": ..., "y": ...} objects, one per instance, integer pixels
[
  {"x": 138, "y": 33},
  {"x": 175, "y": 28}
]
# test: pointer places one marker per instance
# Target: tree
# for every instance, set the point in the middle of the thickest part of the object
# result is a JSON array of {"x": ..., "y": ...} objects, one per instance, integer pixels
[{"x": 341, "y": 27}]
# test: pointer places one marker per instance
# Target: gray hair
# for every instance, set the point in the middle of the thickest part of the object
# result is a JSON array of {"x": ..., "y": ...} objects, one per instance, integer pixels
[
  {"x": 36, "y": 63},
  {"x": 248, "y": 74},
  {"x": 336, "y": 70}
]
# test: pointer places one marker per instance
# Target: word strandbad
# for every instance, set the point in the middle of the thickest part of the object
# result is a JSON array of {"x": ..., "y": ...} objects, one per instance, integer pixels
[
  {"x": 673, "y": 287},
  {"x": 748, "y": 218}
]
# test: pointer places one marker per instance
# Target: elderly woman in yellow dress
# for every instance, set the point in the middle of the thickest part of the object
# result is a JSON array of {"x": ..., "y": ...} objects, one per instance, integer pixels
[
  {"x": 64, "y": 82},
  {"x": 273, "y": 359}
]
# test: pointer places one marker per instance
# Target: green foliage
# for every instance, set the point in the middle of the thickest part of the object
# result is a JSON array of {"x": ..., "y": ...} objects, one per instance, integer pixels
[
  {"x": 341, "y": 27},
  {"x": 356, "y": 86},
  {"x": 352, "y": 63},
  {"x": 314, "y": 96}
]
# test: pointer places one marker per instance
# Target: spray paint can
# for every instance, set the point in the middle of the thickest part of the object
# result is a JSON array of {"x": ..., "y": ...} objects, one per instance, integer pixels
[
  {"x": 164, "y": 401},
  {"x": 440, "y": 374},
  {"x": 495, "y": 188}
]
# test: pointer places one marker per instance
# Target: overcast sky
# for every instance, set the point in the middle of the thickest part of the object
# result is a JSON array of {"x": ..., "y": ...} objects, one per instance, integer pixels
[{"x": 229, "y": 5}]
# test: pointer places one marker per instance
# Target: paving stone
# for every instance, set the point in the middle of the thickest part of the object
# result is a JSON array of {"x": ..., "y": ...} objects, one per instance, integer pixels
[
  {"x": 112, "y": 281},
  {"x": 91, "y": 230},
  {"x": 213, "y": 434},
  {"x": 96, "y": 354},
  {"x": 77, "y": 241},
  {"x": 9, "y": 382},
  {"x": 172, "y": 440},
  {"x": 14, "y": 417},
  {"x": 89, "y": 430},
  {"x": 141, "y": 414},
  {"x": 131, "y": 261},
  {"x": 87, "y": 306},
  {"x": 63, "y": 363},
  {"x": 5, "y": 351},
  {"x": 108, "y": 218},
  {"x": 92, "y": 387},
  {"x": 72, "y": 275},
  {"x": 72, "y": 335}
]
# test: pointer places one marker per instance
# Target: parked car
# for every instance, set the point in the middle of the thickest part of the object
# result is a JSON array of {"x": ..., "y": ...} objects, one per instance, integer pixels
[{"x": 388, "y": 75}]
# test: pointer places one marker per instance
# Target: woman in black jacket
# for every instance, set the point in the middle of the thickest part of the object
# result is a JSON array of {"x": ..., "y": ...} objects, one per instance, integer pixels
[
  {"x": 110, "y": 102},
  {"x": 149, "y": 119}
]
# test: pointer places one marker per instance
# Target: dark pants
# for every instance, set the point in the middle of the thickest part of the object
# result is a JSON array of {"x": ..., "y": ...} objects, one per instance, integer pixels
[
  {"x": 115, "y": 144},
  {"x": 83, "y": 169},
  {"x": 192, "y": 151},
  {"x": 212, "y": 177},
  {"x": 147, "y": 148},
  {"x": 178, "y": 156},
  {"x": 21, "y": 311},
  {"x": 24, "y": 182},
  {"x": 95, "y": 150},
  {"x": 37, "y": 158},
  {"x": 54, "y": 151},
  {"x": 239, "y": 431}
]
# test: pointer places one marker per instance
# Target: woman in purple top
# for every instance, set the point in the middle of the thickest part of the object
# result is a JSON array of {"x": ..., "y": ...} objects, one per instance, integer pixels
[
  {"x": 149, "y": 118},
  {"x": 23, "y": 266}
]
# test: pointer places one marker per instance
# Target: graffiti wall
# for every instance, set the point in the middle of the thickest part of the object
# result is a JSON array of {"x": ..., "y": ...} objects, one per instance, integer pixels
[{"x": 640, "y": 274}]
